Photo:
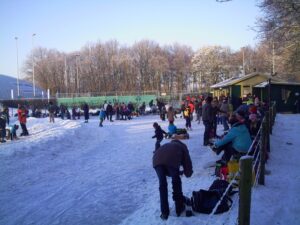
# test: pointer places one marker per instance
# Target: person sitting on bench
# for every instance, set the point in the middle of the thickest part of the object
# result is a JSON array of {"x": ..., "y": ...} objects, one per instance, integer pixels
[
  {"x": 171, "y": 129},
  {"x": 237, "y": 141}
]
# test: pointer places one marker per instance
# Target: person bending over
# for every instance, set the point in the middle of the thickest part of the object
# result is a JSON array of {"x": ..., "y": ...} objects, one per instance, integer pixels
[{"x": 167, "y": 161}]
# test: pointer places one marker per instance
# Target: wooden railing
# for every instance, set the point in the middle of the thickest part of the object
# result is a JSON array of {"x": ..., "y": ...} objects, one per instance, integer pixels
[{"x": 252, "y": 167}]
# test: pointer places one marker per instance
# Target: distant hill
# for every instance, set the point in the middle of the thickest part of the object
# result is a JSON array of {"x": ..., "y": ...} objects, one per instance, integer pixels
[{"x": 8, "y": 83}]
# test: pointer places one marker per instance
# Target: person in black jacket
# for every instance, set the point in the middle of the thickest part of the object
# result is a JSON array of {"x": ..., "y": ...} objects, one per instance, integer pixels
[
  {"x": 167, "y": 161},
  {"x": 3, "y": 119},
  {"x": 86, "y": 112},
  {"x": 207, "y": 117},
  {"x": 159, "y": 135},
  {"x": 109, "y": 111}
]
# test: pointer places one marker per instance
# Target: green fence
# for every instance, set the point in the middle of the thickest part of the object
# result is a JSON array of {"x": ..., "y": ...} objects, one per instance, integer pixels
[{"x": 97, "y": 101}]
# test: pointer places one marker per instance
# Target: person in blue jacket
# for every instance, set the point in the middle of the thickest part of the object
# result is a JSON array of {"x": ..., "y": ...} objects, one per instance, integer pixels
[
  {"x": 237, "y": 141},
  {"x": 101, "y": 116},
  {"x": 171, "y": 129}
]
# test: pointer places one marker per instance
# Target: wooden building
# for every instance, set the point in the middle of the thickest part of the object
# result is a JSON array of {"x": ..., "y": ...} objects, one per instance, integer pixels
[{"x": 284, "y": 93}]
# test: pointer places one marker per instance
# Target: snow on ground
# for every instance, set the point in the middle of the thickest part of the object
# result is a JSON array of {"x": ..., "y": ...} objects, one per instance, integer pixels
[{"x": 70, "y": 172}]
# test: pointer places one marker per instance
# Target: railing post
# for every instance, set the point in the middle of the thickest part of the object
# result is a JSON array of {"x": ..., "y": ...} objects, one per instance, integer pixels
[
  {"x": 262, "y": 153},
  {"x": 270, "y": 120},
  {"x": 267, "y": 131},
  {"x": 245, "y": 185}
]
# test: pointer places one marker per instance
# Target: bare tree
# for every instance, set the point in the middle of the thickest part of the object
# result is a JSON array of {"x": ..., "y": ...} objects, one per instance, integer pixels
[{"x": 280, "y": 29}]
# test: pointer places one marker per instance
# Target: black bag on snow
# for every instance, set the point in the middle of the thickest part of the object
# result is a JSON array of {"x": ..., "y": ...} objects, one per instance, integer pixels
[
  {"x": 221, "y": 186},
  {"x": 204, "y": 201},
  {"x": 181, "y": 131}
]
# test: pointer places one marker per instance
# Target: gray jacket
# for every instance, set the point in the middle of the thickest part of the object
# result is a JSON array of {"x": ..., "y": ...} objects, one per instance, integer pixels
[{"x": 207, "y": 112}]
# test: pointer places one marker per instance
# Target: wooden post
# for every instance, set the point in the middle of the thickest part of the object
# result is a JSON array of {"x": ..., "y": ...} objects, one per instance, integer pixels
[
  {"x": 267, "y": 131},
  {"x": 245, "y": 190},
  {"x": 262, "y": 152},
  {"x": 270, "y": 119}
]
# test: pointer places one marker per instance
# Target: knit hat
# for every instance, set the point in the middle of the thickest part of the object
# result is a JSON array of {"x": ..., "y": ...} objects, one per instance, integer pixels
[{"x": 241, "y": 114}]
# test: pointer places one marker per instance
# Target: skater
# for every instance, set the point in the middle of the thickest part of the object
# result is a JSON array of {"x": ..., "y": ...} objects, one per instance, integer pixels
[
  {"x": 224, "y": 114},
  {"x": 23, "y": 119},
  {"x": 101, "y": 116},
  {"x": 163, "y": 112},
  {"x": 188, "y": 116},
  {"x": 51, "y": 110},
  {"x": 62, "y": 111},
  {"x": 74, "y": 113},
  {"x": 78, "y": 111},
  {"x": 167, "y": 161},
  {"x": 198, "y": 109},
  {"x": 109, "y": 112},
  {"x": 171, "y": 114},
  {"x": 159, "y": 135},
  {"x": 68, "y": 115},
  {"x": 86, "y": 112}
]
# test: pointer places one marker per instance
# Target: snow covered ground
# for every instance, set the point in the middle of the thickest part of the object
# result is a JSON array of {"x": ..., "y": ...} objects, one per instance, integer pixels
[{"x": 70, "y": 172}]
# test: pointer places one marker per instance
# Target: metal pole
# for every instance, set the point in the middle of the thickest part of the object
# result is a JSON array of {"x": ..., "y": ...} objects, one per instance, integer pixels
[
  {"x": 243, "y": 62},
  {"x": 33, "y": 80},
  {"x": 77, "y": 74},
  {"x": 18, "y": 85},
  {"x": 66, "y": 75}
]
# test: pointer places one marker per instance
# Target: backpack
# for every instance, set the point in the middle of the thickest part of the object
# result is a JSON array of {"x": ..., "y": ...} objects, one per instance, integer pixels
[{"x": 204, "y": 201}]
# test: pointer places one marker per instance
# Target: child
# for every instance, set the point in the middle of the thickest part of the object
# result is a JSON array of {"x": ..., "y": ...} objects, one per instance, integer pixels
[
  {"x": 101, "y": 116},
  {"x": 172, "y": 129},
  {"x": 13, "y": 131},
  {"x": 187, "y": 115},
  {"x": 159, "y": 135}
]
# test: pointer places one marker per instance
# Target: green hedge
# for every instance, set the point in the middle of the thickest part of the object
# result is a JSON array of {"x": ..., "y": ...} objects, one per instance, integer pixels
[{"x": 97, "y": 101}]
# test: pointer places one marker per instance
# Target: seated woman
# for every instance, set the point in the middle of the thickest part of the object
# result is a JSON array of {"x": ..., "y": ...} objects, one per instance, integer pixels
[
  {"x": 172, "y": 129},
  {"x": 237, "y": 141}
]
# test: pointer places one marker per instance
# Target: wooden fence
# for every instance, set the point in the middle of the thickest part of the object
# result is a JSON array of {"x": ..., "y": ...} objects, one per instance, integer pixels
[{"x": 252, "y": 166}]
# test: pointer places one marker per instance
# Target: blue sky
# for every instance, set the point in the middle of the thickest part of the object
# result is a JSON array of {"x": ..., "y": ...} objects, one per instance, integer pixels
[{"x": 67, "y": 25}]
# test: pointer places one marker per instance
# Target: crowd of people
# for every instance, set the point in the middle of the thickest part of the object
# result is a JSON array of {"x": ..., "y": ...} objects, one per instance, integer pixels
[{"x": 240, "y": 126}]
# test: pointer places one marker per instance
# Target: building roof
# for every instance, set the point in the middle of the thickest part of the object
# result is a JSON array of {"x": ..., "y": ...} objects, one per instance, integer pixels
[
  {"x": 235, "y": 80},
  {"x": 265, "y": 83},
  {"x": 8, "y": 83}
]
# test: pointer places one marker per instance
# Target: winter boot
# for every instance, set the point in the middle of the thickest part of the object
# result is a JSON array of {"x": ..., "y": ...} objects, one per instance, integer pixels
[{"x": 179, "y": 207}]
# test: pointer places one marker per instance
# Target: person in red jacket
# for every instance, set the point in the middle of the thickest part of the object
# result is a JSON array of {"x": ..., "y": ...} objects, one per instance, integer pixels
[
  {"x": 167, "y": 160},
  {"x": 23, "y": 119}
]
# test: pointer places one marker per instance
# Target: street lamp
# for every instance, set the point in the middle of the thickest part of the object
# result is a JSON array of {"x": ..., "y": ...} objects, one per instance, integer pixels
[
  {"x": 77, "y": 72},
  {"x": 33, "y": 80},
  {"x": 18, "y": 85}
]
